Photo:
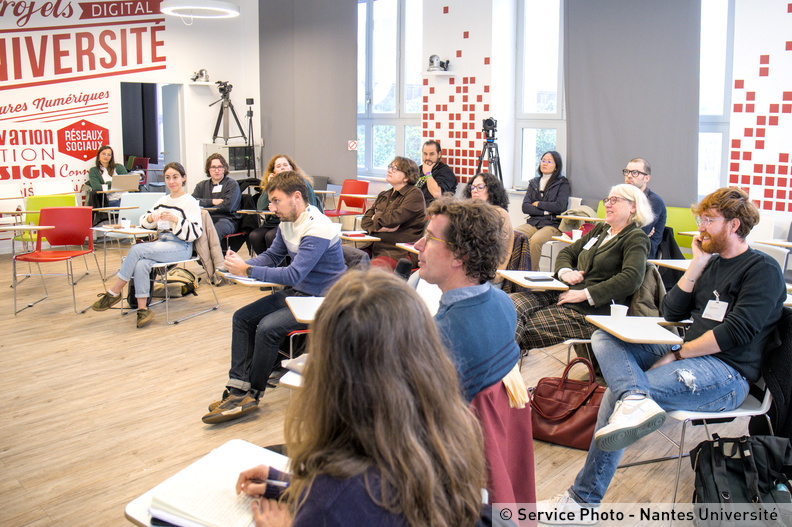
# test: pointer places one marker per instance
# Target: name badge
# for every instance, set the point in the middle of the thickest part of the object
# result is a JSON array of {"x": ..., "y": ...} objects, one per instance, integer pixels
[
  {"x": 715, "y": 310},
  {"x": 217, "y": 188},
  {"x": 591, "y": 243}
]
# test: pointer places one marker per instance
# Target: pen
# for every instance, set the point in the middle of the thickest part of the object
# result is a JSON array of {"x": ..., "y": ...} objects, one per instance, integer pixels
[{"x": 273, "y": 482}]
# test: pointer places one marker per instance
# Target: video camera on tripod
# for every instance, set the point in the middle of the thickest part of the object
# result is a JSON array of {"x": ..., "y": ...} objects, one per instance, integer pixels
[
  {"x": 224, "y": 87},
  {"x": 489, "y": 126},
  {"x": 226, "y": 107},
  {"x": 490, "y": 150}
]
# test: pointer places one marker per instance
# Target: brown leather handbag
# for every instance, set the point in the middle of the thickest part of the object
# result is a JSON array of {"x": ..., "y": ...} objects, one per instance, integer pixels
[{"x": 565, "y": 410}]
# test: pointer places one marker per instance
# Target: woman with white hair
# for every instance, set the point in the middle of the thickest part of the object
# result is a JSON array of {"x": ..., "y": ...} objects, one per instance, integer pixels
[{"x": 605, "y": 266}]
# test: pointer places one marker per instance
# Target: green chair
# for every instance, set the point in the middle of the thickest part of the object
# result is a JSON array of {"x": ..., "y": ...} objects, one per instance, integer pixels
[
  {"x": 601, "y": 209},
  {"x": 33, "y": 204},
  {"x": 681, "y": 219}
]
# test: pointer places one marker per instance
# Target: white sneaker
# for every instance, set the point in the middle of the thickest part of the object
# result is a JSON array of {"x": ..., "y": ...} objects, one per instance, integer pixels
[
  {"x": 564, "y": 510},
  {"x": 633, "y": 417}
]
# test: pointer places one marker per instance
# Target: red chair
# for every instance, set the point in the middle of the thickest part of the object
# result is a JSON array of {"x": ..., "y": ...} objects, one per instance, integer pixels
[
  {"x": 350, "y": 186},
  {"x": 72, "y": 226},
  {"x": 142, "y": 164}
]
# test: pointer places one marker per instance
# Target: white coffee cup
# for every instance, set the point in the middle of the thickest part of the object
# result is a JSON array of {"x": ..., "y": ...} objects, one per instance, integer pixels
[
  {"x": 576, "y": 234},
  {"x": 125, "y": 224},
  {"x": 618, "y": 310}
]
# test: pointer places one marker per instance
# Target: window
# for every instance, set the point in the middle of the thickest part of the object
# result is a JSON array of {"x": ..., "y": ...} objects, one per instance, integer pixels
[
  {"x": 540, "y": 124},
  {"x": 389, "y": 82},
  {"x": 715, "y": 79}
]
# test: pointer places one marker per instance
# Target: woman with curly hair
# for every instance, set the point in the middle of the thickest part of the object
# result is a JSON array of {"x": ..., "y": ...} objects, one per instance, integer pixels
[
  {"x": 398, "y": 214},
  {"x": 261, "y": 238},
  {"x": 379, "y": 434},
  {"x": 487, "y": 187}
]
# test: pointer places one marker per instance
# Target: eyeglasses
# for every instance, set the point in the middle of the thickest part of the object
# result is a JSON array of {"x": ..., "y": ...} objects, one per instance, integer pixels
[
  {"x": 633, "y": 173},
  {"x": 548, "y": 162},
  {"x": 614, "y": 199},
  {"x": 394, "y": 168},
  {"x": 477, "y": 188},
  {"x": 212, "y": 167},
  {"x": 428, "y": 237},
  {"x": 703, "y": 220}
]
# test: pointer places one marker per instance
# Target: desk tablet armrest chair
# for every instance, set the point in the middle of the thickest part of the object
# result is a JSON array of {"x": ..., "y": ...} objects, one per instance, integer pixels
[
  {"x": 757, "y": 403},
  {"x": 159, "y": 273}
]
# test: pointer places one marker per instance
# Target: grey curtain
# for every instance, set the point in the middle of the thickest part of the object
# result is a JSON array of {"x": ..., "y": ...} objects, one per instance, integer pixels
[{"x": 632, "y": 88}]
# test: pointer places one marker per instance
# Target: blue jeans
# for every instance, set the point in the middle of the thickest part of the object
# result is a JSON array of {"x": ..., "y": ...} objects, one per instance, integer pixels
[
  {"x": 141, "y": 257},
  {"x": 702, "y": 384},
  {"x": 224, "y": 227},
  {"x": 257, "y": 332}
]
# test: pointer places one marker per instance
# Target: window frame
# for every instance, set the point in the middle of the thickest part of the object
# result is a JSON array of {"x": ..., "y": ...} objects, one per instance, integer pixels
[
  {"x": 712, "y": 123},
  {"x": 400, "y": 119},
  {"x": 533, "y": 120}
]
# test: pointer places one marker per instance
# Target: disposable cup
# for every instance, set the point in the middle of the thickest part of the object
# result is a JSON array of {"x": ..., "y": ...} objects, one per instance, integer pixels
[
  {"x": 618, "y": 310},
  {"x": 125, "y": 224},
  {"x": 576, "y": 234}
]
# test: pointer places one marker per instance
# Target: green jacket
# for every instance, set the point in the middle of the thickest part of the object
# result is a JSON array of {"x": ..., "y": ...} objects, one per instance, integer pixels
[
  {"x": 612, "y": 271},
  {"x": 95, "y": 176}
]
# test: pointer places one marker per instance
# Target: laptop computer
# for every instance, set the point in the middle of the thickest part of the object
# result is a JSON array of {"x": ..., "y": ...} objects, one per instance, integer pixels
[{"x": 125, "y": 182}]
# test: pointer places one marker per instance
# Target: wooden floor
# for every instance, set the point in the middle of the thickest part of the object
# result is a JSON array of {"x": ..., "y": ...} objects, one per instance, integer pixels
[{"x": 95, "y": 411}]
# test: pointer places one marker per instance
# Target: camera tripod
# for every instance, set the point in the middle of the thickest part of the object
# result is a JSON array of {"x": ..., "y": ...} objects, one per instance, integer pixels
[
  {"x": 490, "y": 149},
  {"x": 250, "y": 148},
  {"x": 223, "y": 113}
]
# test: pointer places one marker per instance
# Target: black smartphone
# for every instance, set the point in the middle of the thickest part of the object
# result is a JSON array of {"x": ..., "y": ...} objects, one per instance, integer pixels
[{"x": 539, "y": 278}]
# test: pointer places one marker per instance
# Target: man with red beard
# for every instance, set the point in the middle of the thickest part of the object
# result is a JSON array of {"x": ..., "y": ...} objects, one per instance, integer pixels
[{"x": 735, "y": 296}]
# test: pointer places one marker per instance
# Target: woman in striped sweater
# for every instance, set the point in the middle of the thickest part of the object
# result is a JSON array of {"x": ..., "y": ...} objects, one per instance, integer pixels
[{"x": 177, "y": 220}]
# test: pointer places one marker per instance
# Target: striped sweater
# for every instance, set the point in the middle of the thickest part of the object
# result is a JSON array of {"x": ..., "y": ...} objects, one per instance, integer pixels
[
  {"x": 317, "y": 260},
  {"x": 188, "y": 228}
]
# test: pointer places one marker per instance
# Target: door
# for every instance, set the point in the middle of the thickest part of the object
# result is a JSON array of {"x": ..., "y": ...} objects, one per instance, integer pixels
[{"x": 171, "y": 122}]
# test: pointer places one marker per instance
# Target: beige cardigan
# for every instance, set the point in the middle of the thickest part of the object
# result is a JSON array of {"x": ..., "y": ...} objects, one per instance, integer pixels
[{"x": 208, "y": 248}]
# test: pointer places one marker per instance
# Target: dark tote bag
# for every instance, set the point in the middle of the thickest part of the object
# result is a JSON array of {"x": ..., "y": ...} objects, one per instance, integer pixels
[{"x": 565, "y": 410}]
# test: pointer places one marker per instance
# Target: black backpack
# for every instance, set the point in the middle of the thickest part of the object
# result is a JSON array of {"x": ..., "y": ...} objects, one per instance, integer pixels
[{"x": 745, "y": 476}]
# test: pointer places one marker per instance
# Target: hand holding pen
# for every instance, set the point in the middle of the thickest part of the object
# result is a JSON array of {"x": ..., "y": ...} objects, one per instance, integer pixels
[{"x": 257, "y": 482}]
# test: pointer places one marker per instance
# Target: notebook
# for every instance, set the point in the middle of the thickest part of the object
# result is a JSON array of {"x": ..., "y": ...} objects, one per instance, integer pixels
[{"x": 203, "y": 494}]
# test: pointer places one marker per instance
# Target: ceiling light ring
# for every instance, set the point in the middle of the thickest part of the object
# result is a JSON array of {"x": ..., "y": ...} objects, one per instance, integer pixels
[{"x": 199, "y": 9}]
